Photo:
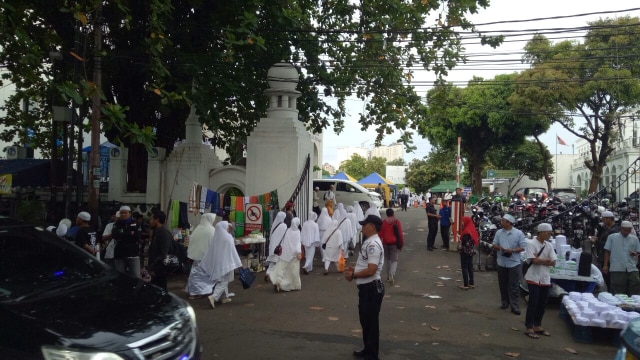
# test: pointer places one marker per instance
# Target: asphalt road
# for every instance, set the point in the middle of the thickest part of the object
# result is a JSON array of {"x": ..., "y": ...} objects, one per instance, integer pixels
[{"x": 321, "y": 321}]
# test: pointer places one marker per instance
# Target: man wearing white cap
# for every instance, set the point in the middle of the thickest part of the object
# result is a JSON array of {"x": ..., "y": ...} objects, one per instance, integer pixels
[
  {"x": 542, "y": 257},
  {"x": 609, "y": 227},
  {"x": 127, "y": 233},
  {"x": 108, "y": 241},
  {"x": 509, "y": 242},
  {"x": 316, "y": 200},
  {"x": 620, "y": 259},
  {"x": 86, "y": 237}
]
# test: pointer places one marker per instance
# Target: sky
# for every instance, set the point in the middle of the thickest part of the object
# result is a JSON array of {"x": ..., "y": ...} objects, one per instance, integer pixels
[{"x": 494, "y": 63}]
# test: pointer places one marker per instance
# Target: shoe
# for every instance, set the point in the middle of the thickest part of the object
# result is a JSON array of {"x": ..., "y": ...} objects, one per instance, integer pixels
[
  {"x": 225, "y": 301},
  {"x": 445, "y": 248},
  {"x": 304, "y": 271},
  {"x": 276, "y": 288},
  {"x": 434, "y": 248},
  {"x": 515, "y": 311},
  {"x": 326, "y": 272},
  {"x": 360, "y": 353},
  {"x": 430, "y": 249},
  {"x": 393, "y": 280},
  {"x": 212, "y": 301},
  {"x": 231, "y": 294},
  {"x": 504, "y": 306}
]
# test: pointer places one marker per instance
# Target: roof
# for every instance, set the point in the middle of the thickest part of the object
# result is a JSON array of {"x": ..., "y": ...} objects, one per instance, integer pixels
[
  {"x": 18, "y": 165},
  {"x": 375, "y": 178},
  {"x": 444, "y": 186},
  {"x": 344, "y": 176},
  {"x": 32, "y": 172}
]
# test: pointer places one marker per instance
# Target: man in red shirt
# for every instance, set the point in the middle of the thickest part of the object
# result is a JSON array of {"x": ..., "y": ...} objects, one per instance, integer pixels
[{"x": 392, "y": 241}]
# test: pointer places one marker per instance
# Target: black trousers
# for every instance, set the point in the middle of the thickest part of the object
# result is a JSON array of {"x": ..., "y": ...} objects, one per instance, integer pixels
[
  {"x": 444, "y": 234},
  {"x": 509, "y": 282},
  {"x": 433, "y": 231},
  {"x": 466, "y": 265},
  {"x": 538, "y": 296},
  {"x": 369, "y": 304}
]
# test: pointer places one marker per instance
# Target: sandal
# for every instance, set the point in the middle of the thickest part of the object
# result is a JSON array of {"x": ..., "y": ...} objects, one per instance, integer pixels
[
  {"x": 542, "y": 332},
  {"x": 461, "y": 287},
  {"x": 532, "y": 334},
  {"x": 472, "y": 286}
]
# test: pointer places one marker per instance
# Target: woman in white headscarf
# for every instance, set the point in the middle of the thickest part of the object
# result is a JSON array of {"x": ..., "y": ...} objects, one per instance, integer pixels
[
  {"x": 324, "y": 221},
  {"x": 279, "y": 219},
  {"x": 336, "y": 212},
  {"x": 344, "y": 224},
  {"x": 333, "y": 245},
  {"x": 219, "y": 262},
  {"x": 199, "y": 285},
  {"x": 357, "y": 209},
  {"x": 286, "y": 274},
  {"x": 310, "y": 238},
  {"x": 372, "y": 210},
  {"x": 277, "y": 236},
  {"x": 353, "y": 218}
]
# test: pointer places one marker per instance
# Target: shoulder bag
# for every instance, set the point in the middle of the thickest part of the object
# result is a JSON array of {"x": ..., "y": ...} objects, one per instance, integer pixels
[
  {"x": 527, "y": 263},
  {"x": 324, "y": 244},
  {"x": 278, "y": 249}
]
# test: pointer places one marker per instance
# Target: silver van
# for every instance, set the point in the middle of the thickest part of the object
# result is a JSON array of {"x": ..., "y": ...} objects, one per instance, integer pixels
[{"x": 347, "y": 192}]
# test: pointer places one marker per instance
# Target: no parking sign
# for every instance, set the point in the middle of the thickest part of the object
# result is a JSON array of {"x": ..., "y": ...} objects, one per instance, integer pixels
[{"x": 253, "y": 217}]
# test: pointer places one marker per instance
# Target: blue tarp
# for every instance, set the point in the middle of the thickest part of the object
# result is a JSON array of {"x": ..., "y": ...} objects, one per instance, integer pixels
[
  {"x": 375, "y": 179},
  {"x": 105, "y": 148},
  {"x": 343, "y": 176}
]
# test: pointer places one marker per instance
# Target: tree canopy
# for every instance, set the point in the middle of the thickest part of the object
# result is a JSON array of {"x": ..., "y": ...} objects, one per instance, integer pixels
[
  {"x": 161, "y": 56},
  {"x": 438, "y": 166},
  {"x": 359, "y": 167},
  {"x": 590, "y": 88}
]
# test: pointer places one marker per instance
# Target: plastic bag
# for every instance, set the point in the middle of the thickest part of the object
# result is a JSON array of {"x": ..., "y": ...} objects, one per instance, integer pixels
[{"x": 341, "y": 262}]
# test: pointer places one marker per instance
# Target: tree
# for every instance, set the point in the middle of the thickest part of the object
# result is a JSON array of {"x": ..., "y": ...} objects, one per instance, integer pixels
[
  {"x": 359, "y": 167},
  {"x": 527, "y": 159},
  {"x": 160, "y": 57},
  {"x": 438, "y": 166},
  {"x": 480, "y": 115},
  {"x": 397, "y": 162},
  {"x": 595, "y": 81}
]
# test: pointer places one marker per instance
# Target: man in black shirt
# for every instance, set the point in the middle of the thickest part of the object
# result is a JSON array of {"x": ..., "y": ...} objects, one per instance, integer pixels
[
  {"x": 161, "y": 245},
  {"x": 86, "y": 236},
  {"x": 433, "y": 220},
  {"x": 127, "y": 235}
]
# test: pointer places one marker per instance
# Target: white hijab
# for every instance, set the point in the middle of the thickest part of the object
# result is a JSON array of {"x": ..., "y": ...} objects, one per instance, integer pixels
[
  {"x": 276, "y": 238},
  {"x": 310, "y": 234},
  {"x": 345, "y": 226},
  {"x": 280, "y": 216},
  {"x": 221, "y": 256},
  {"x": 372, "y": 210},
  {"x": 337, "y": 213},
  {"x": 291, "y": 245},
  {"x": 358, "y": 210},
  {"x": 333, "y": 240},
  {"x": 355, "y": 225},
  {"x": 324, "y": 220},
  {"x": 201, "y": 237}
]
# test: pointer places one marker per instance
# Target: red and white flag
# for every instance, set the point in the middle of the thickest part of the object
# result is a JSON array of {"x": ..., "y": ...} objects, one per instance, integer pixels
[{"x": 560, "y": 141}]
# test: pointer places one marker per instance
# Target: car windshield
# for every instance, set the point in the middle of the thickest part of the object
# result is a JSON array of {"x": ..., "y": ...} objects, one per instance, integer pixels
[{"x": 34, "y": 262}]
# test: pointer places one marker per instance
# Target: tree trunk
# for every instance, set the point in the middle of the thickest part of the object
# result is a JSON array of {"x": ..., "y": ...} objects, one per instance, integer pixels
[{"x": 477, "y": 180}]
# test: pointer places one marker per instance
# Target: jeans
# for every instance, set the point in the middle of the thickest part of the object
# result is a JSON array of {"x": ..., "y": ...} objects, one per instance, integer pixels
[
  {"x": 129, "y": 265},
  {"x": 509, "y": 282},
  {"x": 466, "y": 264},
  {"x": 538, "y": 296},
  {"x": 369, "y": 304}
]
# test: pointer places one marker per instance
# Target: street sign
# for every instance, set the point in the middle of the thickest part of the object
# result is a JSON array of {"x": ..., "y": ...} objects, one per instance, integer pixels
[
  {"x": 503, "y": 174},
  {"x": 253, "y": 217}
]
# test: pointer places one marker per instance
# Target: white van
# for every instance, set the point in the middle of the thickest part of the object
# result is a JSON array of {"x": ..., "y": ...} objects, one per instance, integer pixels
[{"x": 347, "y": 192}]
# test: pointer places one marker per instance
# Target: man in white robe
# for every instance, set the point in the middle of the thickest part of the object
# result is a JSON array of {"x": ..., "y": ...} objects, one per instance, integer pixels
[
  {"x": 220, "y": 261},
  {"x": 333, "y": 245},
  {"x": 310, "y": 238},
  {"x": 199, "y": 285},
  {"x": 286, "y": 274}
]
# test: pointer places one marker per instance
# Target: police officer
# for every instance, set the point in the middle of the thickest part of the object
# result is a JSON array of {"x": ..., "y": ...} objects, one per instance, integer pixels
[{"x": 370, "y": 287}]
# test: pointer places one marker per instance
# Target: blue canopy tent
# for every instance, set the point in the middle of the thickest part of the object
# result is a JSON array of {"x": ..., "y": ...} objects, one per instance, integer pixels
[
  {"x": 344, "y": 176},
  {"x": 372, "y": 180},
  {"x": 105, "y": 148}
]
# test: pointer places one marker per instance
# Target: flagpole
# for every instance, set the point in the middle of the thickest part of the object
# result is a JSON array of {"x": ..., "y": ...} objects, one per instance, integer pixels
[{"x": 556, "y": 161}]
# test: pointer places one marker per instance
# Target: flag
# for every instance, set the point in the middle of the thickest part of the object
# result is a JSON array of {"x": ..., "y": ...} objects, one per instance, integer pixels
[{"x": 560, "y": 141}]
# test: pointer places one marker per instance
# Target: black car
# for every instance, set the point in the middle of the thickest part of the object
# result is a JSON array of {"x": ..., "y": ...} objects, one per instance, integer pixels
[
  {"x": 563, "y": 194},
  {"x": 59, "y": 302}
]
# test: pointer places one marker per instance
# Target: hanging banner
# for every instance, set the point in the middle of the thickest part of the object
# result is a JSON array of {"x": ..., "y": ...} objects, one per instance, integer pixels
[{"x": 5, "y": 184}]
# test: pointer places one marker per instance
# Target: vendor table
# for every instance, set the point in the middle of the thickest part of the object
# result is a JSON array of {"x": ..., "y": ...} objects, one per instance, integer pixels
[
  {"x": 567, "y": 282},
  {"x": 257, "y": 245}
]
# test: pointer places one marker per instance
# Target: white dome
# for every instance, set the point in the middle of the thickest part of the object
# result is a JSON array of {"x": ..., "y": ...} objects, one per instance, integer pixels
[{"x": 282, "y": 76}]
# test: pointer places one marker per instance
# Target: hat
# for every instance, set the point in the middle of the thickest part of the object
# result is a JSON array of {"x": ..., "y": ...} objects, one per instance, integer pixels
[
  {"x": 371, "y": 219},
  {"x": 61, "y": 230},
  {"x": 118, "y": 213},
  {"x": 606, "y": 214},
  {"x": 316, "y": 188},
  {"x": 509, "y": 218},
  {"x": 125, "y": 208},
  {"x": 51, "y": 228},
  {"x": 545, "y": 227},
  {"x": 626, "y": 224},
  {"x": 84, "y": 216}
]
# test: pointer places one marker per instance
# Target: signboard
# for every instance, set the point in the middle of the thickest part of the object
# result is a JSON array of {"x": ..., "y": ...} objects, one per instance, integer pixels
[
  {"x": 5, "y": 184},
  {"x": 503, "y": 174},
  {"x": 253, "y": 217}
]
